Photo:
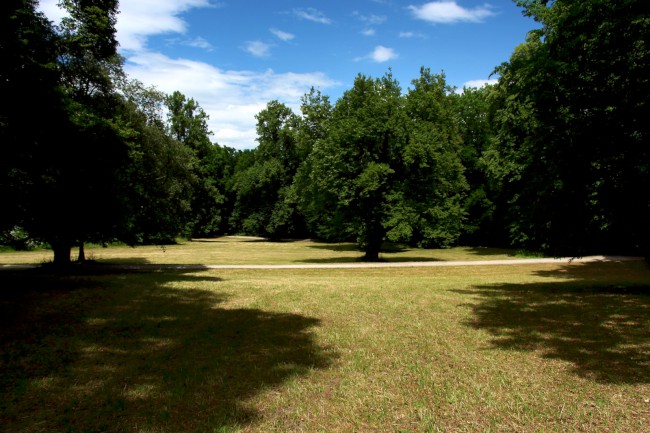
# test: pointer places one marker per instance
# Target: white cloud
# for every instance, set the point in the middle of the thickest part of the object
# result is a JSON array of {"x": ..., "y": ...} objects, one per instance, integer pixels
[
  {"x": 371, "y": 19},
  {"x": 409, "y": 35},
  {"x": 311, "y": 14},
  {"x": 382, "y": 54},
  {"x": 475, "y": 84},
  {"x": 480, "y": 83},
  {"x": 446, "y": 12},
  {"x": 230, "y": 98},
  {"x": 284, "y": 36},
  {"x": 139, "y": 19},
  {"x": 199, "y": 43},
  {"x": 368, "y": 32},
  {"x": 257, "y": 48}
]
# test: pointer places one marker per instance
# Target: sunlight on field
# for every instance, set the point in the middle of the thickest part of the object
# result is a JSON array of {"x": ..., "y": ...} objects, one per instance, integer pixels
[{"x": 243, "y": 250}]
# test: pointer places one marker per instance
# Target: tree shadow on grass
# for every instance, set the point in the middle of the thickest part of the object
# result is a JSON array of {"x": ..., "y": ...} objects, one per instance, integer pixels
[
  {"x": 386, "y": 247},
  {"x": 339, "y": 247},
  {"x": 597, "y": 320},
  {"x": 140, "y": 351},
  {"x": 489, "y": 251},
  {"x": 361, "y": 259}
]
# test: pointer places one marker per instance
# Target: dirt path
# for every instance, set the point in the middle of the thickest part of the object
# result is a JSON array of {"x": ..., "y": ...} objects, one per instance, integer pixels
[{"x": 422, "y": 264}]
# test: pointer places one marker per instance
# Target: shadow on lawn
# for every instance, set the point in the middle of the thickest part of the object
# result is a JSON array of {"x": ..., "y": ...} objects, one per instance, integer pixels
[
  {"x": 139, "y": 350},
  {"x": 361, "y": 259},
  {"x": 488, "y": 251},
  {"x": 597, "y": 320}
]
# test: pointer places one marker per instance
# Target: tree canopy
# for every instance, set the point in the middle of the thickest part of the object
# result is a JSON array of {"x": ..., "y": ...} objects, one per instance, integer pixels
[
  {"x": 571, "y": 148},
  {"x": 388, "y": 167}
]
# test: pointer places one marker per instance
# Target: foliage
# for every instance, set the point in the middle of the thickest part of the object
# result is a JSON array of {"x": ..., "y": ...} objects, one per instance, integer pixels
[
  {"x": 100, "y": 165},
  {"x": 571, "y": 147},
  {"x": 386, "y": 168},
  {"x": 553, "y": 158},
  {"x": 265, "y": 203},
  {"x": 483, "y": 204},
  {"x": 188, "y": 125},
  {"x": 160, "y": 177}
]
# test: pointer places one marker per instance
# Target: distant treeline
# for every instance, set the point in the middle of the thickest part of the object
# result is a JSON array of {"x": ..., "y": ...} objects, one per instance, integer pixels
[{"x": 553, "y": 158}]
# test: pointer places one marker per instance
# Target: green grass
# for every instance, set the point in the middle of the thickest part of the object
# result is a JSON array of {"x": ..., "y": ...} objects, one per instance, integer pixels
[
  {"x": 250, "y": 251},
  {"x": 522, "y": 348}
]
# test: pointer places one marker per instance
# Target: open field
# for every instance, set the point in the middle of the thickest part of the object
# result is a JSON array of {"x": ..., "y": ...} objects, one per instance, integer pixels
[
  {"x": 249, "y": 251},
  {"x": 522, "y": 348}
]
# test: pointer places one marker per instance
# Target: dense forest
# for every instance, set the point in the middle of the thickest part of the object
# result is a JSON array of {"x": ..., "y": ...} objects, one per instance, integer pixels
[{"x": 553, "y": 158}]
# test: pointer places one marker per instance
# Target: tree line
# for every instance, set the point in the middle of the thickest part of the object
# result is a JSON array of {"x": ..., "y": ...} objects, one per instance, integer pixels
[{"x": 553, "y": 158}]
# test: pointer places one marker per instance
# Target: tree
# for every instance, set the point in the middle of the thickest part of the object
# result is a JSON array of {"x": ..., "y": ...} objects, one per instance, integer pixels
[
  {"x": 100, "y": 165},
  {"x": 386, "y": 168},
  {"x": 432, "y": 184},
  {"x": 156, "y": 186},
  {"x": 29, "y": 84},
  {"x": 62, "y": 180},
  {"x": 571, "y": 146},
  {"x": 188, "y": 125},
  {"x": 265, "y": 204},
  {"x": 351, "y": 170},
  {"x": 483, "y": 203}
]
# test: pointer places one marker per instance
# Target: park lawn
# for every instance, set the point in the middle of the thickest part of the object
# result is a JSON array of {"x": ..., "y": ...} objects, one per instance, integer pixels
[
  {"x": 521, "y": 348},
  {"x": 229, "y": 250}
]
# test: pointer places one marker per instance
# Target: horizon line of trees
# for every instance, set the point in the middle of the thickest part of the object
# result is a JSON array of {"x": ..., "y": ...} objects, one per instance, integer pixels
[{"x": 553, "y": 158}]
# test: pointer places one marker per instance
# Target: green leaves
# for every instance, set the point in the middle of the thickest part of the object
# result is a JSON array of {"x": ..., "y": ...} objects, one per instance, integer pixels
[
  {"x": 571, "y": 122},
  {"x": 388, "y": 165},
  {"x": 372, "y": 179}
]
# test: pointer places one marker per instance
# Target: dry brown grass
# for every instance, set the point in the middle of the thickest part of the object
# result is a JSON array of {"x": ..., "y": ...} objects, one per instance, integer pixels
[{"x": 524, "y": 348}]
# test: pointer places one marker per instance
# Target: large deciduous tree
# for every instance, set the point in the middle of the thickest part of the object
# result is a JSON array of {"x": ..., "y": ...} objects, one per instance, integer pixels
[
  {"x": 31, "y": 106},
  {"x": 387, "y": 168},
  {"x": 572, "y": 147},
  {"x": 83, "y": 160},
  {"x": 351, "y": 174},
  {"x": 64, "y": 179},
  {"x": 431, "y": 182}
]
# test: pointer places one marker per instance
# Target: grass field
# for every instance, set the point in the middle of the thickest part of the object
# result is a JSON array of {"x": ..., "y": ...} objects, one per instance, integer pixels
[
  {"x": 521, "y": 348},
  {"x": 242, "y": 250}
]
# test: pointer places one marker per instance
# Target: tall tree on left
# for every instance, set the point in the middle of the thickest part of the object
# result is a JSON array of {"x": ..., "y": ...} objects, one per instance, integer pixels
[
  {"x": 31, "y": 106},
  {"x": 65, "y": 148}
]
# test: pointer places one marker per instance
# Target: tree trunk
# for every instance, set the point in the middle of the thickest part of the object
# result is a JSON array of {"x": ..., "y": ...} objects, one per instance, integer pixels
[
  {"x": 374, "y": 237},
  {"x": 62, "y": 251},
  {"x": 82, "y": 253},
  {"x": 372, "y": 254}
]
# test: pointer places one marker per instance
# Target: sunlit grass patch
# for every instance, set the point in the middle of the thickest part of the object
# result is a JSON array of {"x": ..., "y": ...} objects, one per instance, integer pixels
[{"x": 241, "y": 250}]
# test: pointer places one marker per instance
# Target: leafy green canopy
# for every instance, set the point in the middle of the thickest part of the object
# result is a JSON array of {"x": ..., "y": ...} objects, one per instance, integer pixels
[
  {"x": 86, "y": 155},
  {"x": 571, "y": 151},
  {"x": 266, "y": 204},
  {"x": 388, "y": 166}
]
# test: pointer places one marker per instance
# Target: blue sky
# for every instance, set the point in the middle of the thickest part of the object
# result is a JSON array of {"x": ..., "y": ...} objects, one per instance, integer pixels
[{"x": 234, "y": 56}]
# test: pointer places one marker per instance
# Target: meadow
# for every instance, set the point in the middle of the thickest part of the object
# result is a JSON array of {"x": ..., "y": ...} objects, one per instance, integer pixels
[{"x": 561, "y": 347}]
